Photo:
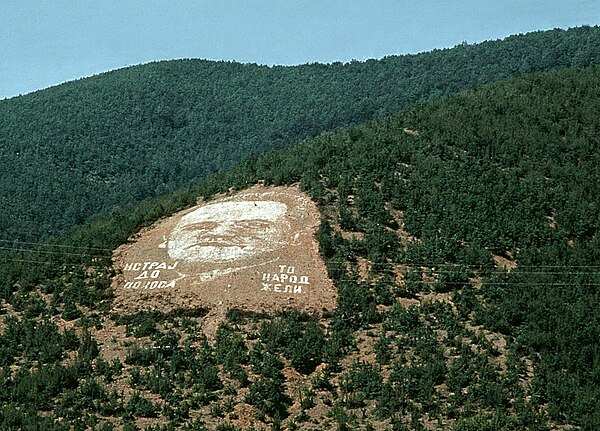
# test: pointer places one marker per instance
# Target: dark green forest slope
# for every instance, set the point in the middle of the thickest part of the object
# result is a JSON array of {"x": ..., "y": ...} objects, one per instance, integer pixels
[
  {"x": 462, "y": 235},
  {"x": 85, "y": 148}
]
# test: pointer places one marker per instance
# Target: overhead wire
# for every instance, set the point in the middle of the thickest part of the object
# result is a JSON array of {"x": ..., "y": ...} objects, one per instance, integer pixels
[
  {"x": 42, "y": 251},
  {"x": 371, "y": 264},
  {"x": 40, "y": 262},
  {"x": 510, "y": 283},
  {"x": 436, "y": 264},
  {"x": 47, "y": 244},
  {"x": 437, "y": 268}
]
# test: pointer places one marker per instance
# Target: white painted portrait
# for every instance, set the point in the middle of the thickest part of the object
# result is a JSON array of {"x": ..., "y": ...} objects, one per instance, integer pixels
[
  {"x": 253, "y": 249},
  {"x": 229, "y": 231},
  {"x": 239, "y": 232}
]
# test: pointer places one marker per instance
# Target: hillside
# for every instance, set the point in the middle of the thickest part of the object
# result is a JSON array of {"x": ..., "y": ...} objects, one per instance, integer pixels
[
  {"x": 80, "y": 150},
  {"x": 462, "y": 237}
]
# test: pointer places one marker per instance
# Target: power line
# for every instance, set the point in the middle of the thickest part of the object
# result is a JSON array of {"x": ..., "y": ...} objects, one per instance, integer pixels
[
  {"x": 40, "y": 262},
  {"x": 395, "y": 265},
  {"x": 45, "y": 244},
  {"x": 450, "y": 283},
  {"x": 521, "y": 270},
  {"x": 41, "y": 251},
  {"x": 438, "y": 264}
]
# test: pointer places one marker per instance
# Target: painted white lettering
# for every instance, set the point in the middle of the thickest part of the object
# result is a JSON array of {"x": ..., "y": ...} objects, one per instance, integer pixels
[
  {"x": 266, "y": 276},
  {"x": 291, "y": 269},
  {"x": 163, "y": 265},
  {"x": 155, "y": 273},
  {"x": 136, "y": 266},
  {"x": 275, "y": 277},
  {"x": 304, "y": 279},
  {"x": 174, "y": 265},
  {"x": 281, "y": 268},
  {"x": 293, "y": 279},
  {"x": 283, "y": 277},
  {"x": 297, "y": 289},
  {"x": 266, "y": 287},
  {"x": 142, "y": 276},
  {"x": 133, "y": 285},
  {"x": 277, "y": 288}
]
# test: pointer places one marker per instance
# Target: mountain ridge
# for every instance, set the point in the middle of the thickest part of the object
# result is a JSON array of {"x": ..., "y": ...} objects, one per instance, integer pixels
[
  {"x": 462, "y": 236},
  {"x": 83, "y": 149}
]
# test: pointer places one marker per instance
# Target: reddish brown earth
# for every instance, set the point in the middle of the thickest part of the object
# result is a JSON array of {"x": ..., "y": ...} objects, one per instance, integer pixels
[{"x": 254, "y": 250}]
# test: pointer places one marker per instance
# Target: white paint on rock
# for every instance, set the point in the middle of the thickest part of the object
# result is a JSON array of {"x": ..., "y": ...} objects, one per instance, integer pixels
[{"x": 229, "y": 231}]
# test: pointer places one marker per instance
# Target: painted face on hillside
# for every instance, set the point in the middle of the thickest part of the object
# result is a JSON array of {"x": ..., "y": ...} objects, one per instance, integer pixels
[{"x": 229, "y": 231}]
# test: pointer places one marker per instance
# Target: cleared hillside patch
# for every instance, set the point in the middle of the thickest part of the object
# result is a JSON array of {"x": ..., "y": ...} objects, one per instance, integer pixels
[{"x": 253, "y": 250}]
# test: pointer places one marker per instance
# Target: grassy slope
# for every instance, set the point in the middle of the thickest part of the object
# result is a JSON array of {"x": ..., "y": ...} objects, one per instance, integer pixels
[{"x": 83, "y": 149}]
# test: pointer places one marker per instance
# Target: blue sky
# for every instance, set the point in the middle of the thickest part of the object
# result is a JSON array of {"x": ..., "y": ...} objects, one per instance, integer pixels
[{"x": 46, "y": 42}]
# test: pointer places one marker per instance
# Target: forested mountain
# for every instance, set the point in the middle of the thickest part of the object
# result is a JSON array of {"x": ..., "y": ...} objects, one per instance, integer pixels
[
  {"x": 463, "y": 238},
  {"x": 86, "y": 148}
]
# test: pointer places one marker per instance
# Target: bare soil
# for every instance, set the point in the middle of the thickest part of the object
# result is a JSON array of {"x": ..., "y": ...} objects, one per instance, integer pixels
[{"x": 290, "y": 274}]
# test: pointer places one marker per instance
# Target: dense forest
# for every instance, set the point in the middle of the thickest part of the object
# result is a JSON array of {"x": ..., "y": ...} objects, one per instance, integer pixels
[
  {"x": 81, "y": 150},
  {"x": 463, "y": 238}
]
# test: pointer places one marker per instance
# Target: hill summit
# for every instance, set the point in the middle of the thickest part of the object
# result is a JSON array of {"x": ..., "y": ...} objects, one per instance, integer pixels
[
  {"x": 463, "y": 240},
  {"x": 82, "y": 150}
]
